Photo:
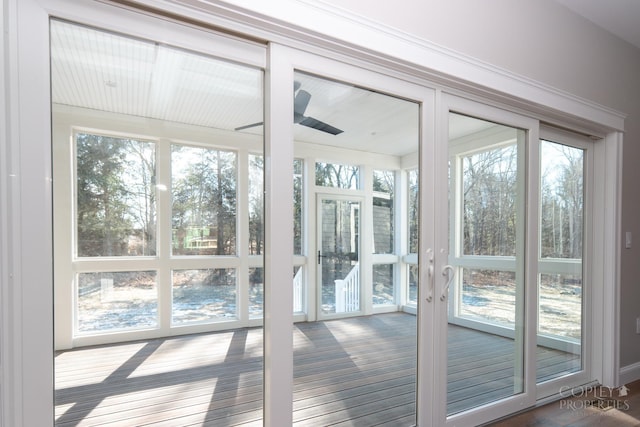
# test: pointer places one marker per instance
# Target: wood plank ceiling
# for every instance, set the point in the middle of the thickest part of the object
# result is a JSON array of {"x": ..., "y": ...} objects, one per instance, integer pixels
[{"x": 103, "y": 71}]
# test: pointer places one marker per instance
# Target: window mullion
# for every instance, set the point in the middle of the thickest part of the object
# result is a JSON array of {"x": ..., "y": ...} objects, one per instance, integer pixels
[
  {"x": 164, "y": 234},
  {"x": 242, "y": 235}
]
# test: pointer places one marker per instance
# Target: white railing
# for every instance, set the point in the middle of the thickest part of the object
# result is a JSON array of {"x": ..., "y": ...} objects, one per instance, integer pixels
[
  {"x": 297, "y": 291},
  {"x": 348, "y": 291}
]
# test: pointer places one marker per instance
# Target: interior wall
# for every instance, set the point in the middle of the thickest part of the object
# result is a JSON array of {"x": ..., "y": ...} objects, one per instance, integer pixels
[{"x": 544, "y": 41}]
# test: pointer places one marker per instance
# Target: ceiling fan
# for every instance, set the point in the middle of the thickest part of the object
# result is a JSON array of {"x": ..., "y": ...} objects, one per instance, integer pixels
[{"x": 300, "y": 102}]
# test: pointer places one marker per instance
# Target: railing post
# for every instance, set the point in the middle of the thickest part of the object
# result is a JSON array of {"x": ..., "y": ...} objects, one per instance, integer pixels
[
  {"x": 340, "y": 296},
  {"x": 297, "y": 291},
  {"x": 356, "y": 288}
]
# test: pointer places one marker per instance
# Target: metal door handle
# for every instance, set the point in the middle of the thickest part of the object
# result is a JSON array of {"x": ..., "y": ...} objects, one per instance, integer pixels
[
  {"x": 445, "y": 271},
  {"x": 431, "y": 279},
  {"x": 430, "y": 275}
]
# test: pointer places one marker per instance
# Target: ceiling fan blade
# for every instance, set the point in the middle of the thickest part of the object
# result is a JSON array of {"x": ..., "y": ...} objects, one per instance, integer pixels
[
  {"x": 317, "y": 124},
  {"x": 300, "y": 103},
  {"x": 249, "y": 126}
]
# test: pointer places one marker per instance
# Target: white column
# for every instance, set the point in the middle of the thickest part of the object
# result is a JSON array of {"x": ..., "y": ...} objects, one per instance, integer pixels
[{"x": 278, "y": 316}]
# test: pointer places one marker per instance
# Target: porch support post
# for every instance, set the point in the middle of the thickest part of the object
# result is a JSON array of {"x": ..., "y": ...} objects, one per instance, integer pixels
[{"x": 278, "y": 313}]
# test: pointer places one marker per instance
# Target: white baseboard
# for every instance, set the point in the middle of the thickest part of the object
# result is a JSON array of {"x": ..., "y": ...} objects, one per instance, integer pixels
[{"x": 630, "y": 373}]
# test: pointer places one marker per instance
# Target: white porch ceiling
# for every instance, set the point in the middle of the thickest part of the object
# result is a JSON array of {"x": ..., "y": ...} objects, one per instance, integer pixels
[{"x": 108, "y": 72}]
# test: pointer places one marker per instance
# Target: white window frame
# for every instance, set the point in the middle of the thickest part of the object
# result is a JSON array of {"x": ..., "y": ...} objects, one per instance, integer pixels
[
  {"x": 392, "y": 258},
  {"x": 164, "y": 263},
  {"x": 457, "y": 258}
]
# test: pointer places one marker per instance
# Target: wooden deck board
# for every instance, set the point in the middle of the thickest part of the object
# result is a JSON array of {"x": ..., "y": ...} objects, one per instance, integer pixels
[{"x": 357, "y": 372}]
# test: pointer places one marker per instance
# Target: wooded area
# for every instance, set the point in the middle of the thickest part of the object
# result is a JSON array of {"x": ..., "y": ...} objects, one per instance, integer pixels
[{"x": 491, "y": 194}]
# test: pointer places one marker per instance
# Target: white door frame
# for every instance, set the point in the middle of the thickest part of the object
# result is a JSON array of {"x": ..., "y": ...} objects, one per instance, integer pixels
[{"x": 363, "y": 259}]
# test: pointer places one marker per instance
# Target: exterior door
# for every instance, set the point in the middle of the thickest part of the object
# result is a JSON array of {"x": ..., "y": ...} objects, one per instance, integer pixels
[
  {"x": 512, "y": 294},
  {"x": 485, "y": 291},
  {"x": 359, "y": 136},
  {"x": 338, "y": 256}
]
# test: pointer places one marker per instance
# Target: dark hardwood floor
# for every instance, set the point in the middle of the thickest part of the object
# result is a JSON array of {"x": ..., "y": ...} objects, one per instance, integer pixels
[
  {"x": 350, "y": 372},
  {"x": 601, "y": 407}
]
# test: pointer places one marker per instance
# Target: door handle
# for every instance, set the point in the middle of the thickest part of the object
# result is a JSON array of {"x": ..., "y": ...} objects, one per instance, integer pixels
[
  {"x": 431, "y": 280},
  {"x": 445, "y": 272},
  {"x": 430, "y": 276}
]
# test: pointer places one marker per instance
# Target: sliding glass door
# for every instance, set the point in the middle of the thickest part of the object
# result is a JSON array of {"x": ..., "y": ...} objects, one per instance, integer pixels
[
  {"x": 200, "y": 183},
  {"x": 485, "y": 290},
  {"x": 513, "y": 289},
  {"x": 407, "y": 270},
  {"x": 565, "y": 296},
  {"x": 485, "y": 296},
  {"x": 158, "y": 220},
  {"x": 359, "y": 136}
]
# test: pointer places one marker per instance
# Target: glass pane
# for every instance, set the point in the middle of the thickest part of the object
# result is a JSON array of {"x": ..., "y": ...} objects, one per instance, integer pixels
[
  {"x": 298, "y": 211},
  {"x": 383, "y": 289},
  {"x": 413, "y": 210},
  {"x": 116, "y": 301},
  {"x": 560, "y": 300},
  {"x": 256, "y": 205},
  {"x": 560, "y": 284},
  {"x": 489, "y": 296},
  {"x": 203, "y": 188},
  {"x": 384, "y": 181},
  {"x": 351, "y": 368},
  {"x": 203, "y": 295},
  {"x": 383, "y": 212},
  {"x": 489, "y": 184},
  {"x": 337, "y": 175},
  {"x": 256, "y": 292},
  {"x": 116, "y": 199},
  {"x": 155, "y": 205},
  {"x": 486, "y": 304},
  {"x": 413, "y": 283},
  {"x": 562, "y": 198}
]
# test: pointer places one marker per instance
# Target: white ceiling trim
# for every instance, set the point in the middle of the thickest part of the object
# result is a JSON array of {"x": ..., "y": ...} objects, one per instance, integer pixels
[{"x": 300, "y": 23}]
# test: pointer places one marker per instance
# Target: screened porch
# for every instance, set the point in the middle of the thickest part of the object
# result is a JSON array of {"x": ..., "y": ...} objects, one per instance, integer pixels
[{"x": 160, "y": 244}]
